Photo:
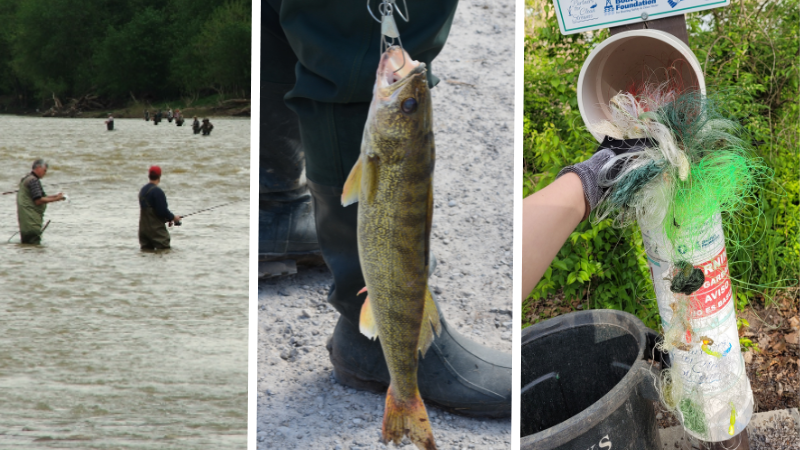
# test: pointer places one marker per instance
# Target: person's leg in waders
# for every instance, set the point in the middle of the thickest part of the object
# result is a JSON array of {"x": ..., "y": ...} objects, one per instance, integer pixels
[
  {"x": 30, "y": 224},
  {"x": 153, "y": 234},
  {"x": 340, "y": 46},
  {"x": 31, "y": 235},
  {"x": 286, "y": 229}
]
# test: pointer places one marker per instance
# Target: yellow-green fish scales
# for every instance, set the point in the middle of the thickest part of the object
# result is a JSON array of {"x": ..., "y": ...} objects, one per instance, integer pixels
[{"x": 393, "y": 179}]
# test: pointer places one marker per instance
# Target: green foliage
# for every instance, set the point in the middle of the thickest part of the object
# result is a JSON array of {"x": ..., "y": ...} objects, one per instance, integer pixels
[
  {"x": 745, "y": 343},
  {"x": 219, "y": 57},
  {"x": 225, "y": 46},
  {"x": 52, "y": 43},
  {"x": 748, "y": 48},
  {"x": 601, "y": 264},
  {"x": 606, "y": 266},
  {"x": 147, "y": 48},
  {"x": 135, "y": 58}
]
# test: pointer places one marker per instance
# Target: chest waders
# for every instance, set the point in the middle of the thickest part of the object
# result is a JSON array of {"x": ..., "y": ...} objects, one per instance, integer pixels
[
  {"x": 152, "y": 231},
  {"x": 29, "y": 215}
]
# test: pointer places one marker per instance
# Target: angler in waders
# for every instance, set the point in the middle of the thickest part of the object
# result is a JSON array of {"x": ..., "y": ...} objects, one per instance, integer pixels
[
  {"x": 31, "y": 203},
  {"x": 206, "y": 127},
  {"x": 196, "y": 125},
  {"x": 154, "y": 213}
]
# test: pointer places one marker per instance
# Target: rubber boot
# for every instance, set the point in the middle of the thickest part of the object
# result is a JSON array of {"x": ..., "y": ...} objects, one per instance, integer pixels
[
  {"x": 286, "y": 229},
  {"x": 456, "y": 374}
]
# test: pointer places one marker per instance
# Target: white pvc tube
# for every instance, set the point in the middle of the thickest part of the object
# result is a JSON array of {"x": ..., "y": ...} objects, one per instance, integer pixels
[
  {"x": 719, "y": 384},
  {"x": 626, "y": 58}
]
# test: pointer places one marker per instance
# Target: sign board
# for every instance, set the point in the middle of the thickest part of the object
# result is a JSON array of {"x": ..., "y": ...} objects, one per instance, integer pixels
[{"x": 576, "y": 16}]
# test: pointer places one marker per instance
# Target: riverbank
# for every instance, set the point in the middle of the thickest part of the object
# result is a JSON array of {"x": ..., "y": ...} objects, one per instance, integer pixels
[{"x": 94, "y": 108}]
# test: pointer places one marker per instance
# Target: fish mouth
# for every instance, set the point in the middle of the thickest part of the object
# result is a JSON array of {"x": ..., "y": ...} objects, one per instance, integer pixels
[{"x": 396, "y": 69}]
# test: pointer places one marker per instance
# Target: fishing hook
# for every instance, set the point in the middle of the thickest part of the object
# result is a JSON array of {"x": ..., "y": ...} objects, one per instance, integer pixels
[{"x": 389, "y": 31}]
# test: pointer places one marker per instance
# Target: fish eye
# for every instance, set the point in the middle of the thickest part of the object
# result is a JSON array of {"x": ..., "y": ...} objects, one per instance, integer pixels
[{"x": 409, "y": 105}]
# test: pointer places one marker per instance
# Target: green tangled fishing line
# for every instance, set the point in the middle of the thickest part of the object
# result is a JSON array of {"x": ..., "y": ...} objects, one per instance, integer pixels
[
  {"x": 703, "y": 165},
  {"x": 693, "y": 417}
]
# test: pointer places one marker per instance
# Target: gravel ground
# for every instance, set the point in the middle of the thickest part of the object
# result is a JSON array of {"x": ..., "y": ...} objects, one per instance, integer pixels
[
  {"x": 771, "y": 430},
  {"x": 299, "y": 403},
  {"x": 777, "y": 433}
]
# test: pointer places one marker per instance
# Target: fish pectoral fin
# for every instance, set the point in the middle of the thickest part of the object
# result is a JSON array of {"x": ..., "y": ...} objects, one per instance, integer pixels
[
  {"x": 352, "y": 186},
  {"x": 367, "y": 324},
  {"x": 430, "y": 324}
]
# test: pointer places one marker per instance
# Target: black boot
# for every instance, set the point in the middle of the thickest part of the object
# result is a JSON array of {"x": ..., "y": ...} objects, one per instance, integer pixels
[
  {"x": 286, "y": 229},
  {"x": 455, "y": 374}
]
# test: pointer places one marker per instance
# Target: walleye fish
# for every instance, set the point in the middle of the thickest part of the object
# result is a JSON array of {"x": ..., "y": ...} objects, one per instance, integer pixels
[{"x": 393, "y": 184}]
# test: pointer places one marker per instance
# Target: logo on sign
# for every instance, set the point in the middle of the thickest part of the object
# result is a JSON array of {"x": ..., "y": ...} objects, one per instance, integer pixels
[
  {"x": 582, "y": 10},
  {"x": 633, "y": 4}
]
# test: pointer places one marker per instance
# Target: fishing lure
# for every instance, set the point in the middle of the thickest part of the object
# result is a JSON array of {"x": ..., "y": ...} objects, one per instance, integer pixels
[
  {"x": 706, "y": 342},
  {"x": 733, "y": 419}
]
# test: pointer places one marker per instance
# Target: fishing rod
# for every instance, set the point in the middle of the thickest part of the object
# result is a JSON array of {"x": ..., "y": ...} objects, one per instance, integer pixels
[
  {"x": 40, "y": 233},
  {"x": 66, "y": 183},
  {"x": 206, "y": 209}
]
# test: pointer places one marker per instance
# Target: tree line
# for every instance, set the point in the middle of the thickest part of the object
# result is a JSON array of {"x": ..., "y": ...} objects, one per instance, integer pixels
[{"x": 123, "y": 50}]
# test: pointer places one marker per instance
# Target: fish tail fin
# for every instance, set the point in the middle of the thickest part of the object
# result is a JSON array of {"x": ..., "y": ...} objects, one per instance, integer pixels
[
  {"x": 407, "y": 418},
  {"x": 430, "y": 324}
]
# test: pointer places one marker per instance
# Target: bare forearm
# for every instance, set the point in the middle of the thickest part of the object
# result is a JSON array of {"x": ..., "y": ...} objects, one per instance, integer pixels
[
  {"x": 549, "y": 216},
  {"x": 48, "y": 199}
]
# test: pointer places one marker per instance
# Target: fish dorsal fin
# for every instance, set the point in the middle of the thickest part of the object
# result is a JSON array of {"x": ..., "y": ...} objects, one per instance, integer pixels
[
  {"x": 352, "y": 186},
  {"x": 430, "y": 324},
  {"x": 367, "y": 324}
]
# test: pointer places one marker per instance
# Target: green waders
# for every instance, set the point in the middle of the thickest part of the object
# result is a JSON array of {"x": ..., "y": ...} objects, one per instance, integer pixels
[
  {"x": 153, "y": 233},
  {"x": 29, "y": 215}
]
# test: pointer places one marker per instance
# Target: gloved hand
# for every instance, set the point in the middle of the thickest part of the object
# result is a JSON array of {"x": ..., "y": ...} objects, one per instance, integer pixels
[{"x": 589, "y": 170}]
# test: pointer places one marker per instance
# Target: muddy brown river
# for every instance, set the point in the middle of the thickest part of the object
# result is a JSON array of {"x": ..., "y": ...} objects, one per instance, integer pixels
[{"x": 103, "y": 345}]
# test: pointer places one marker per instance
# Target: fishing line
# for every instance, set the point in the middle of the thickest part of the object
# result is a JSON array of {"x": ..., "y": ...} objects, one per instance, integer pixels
[
  {"x": 207, "y": 209},
  {"x": 65, "y": 183},
  {"x": 40, "y": 233}
]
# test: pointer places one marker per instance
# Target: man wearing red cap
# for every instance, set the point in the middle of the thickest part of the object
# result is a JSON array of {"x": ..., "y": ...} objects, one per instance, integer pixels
[{"x": 154, "y": 213}]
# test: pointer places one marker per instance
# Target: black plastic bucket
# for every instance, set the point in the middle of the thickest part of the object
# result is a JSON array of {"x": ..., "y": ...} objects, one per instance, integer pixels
[{"x": 587, "y": 384}]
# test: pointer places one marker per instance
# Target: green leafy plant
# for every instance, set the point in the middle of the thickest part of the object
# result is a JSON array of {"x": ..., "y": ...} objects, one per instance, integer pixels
[
  {"x": 750, "y": 48},
  {"x": 745, "y": 343}
]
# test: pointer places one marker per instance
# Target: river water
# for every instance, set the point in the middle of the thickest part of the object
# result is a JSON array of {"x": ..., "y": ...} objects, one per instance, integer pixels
[{"x": 103, "y": 345}]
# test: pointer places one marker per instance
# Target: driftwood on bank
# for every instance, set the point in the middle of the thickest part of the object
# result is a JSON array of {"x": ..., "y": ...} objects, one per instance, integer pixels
[
  {"x": 236, "y": 106},
  {"x": 75, "y": 107}
]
